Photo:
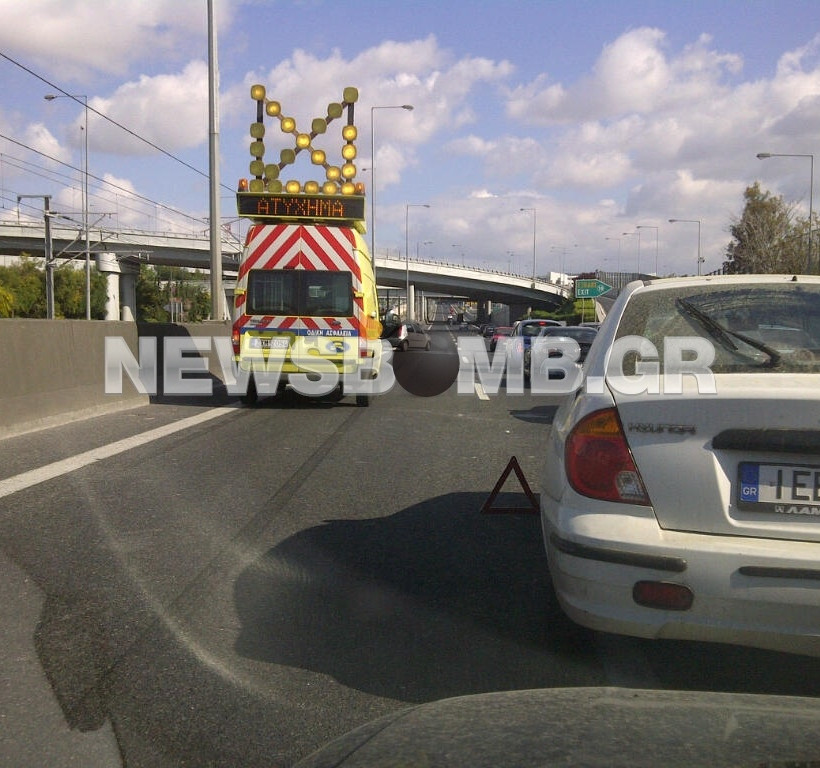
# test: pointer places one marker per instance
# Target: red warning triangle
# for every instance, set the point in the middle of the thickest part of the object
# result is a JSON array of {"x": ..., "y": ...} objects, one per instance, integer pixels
[{"x": 532, "y": 509}]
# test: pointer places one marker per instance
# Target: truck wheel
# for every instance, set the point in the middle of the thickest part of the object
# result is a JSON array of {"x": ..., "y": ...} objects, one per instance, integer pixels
[
  {"x": 251, "y": 396},
  {"x": 362, "y": 401}
]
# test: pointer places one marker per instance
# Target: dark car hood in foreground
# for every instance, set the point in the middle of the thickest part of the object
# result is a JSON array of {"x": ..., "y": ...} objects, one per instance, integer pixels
[{"x": 587, "y": 727}]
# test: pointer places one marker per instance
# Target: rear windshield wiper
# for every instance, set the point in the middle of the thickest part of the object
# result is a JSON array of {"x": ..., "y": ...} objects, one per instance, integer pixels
[{"x": 724, "y": 335}]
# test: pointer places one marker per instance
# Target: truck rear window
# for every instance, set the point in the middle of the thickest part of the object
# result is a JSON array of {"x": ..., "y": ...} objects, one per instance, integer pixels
[{"x": 300, "y": 292}]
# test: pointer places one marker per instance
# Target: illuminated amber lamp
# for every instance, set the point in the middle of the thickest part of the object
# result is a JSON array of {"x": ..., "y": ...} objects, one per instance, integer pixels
[{"x": 339, "y": 178}]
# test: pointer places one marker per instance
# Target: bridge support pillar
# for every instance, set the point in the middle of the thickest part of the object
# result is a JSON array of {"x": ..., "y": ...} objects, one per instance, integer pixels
[
  {"x": 517, "y": 311},
  {"x": 121, "y": 285},
  {"x": 485, "y": 312},
  {"x": 128, "y": 297}
]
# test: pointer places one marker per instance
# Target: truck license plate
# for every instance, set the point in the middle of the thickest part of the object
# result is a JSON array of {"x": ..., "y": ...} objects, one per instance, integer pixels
[{"x": 277, "y": 342}]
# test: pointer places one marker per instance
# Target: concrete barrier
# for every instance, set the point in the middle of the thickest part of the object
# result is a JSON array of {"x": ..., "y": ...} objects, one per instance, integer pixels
[{"x": 53, "y": 371}]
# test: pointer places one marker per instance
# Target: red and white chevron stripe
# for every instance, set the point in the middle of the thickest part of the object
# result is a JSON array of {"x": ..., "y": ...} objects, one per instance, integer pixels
[
  {"x": 297, "y": 246},
  {"x": 289, "y": 246}
]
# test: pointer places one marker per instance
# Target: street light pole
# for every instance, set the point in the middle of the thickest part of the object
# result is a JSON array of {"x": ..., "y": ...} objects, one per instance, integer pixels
[
  {"x": 691, "y": 221},
  {"x": 563, "y": 250},
  {"x": 215, "y": 231},
  {"x": 408, "y": 107},
  {"x": 534, "y": 214},
  {"x": 618, "y": 239},
  {"x": 425, "y": 242},
  {"x": 410, "y": 308},
  {"x": 766, "y": 156},
  {"x": 649, "y": 226},
  {"x": 76, "y": 97},
  {"x": 632, "y": 234}
]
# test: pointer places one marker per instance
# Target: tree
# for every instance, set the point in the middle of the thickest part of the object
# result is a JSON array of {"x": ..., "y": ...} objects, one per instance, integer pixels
[
  {"x": 149, "y": 298},
  {"x": 767, "y": 239},
  {"x": 69, "y": 292},
  {"x": 27, "y": 285},
  {"x": 6, "y": 302}
]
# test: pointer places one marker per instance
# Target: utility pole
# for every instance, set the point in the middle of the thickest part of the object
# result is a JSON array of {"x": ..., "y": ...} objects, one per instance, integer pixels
[
  {"x": 217, "y": 290},
  {"x": 47, "y": 251}
]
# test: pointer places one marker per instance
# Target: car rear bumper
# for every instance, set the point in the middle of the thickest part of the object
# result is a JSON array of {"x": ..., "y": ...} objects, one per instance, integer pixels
[{"x": 747, "y": 591}]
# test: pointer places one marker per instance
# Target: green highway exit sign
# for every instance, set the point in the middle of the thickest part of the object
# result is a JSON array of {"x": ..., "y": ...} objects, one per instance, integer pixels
[{"x": 590, "y": 289}]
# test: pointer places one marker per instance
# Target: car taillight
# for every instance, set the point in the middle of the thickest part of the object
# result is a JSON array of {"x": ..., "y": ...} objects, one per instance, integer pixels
[
  {"x": 235, "y": 341},
  {"x": 599, "y": 463}
]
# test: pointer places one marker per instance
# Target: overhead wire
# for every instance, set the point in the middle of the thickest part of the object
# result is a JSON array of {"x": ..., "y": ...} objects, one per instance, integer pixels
[
  {"x": 106, "y": 182},
  {"x": 122, "y": 127},
  {"x": 129, "y": 193}
]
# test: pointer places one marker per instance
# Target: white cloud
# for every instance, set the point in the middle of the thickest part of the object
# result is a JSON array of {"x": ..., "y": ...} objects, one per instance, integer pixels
[
  {"x": 646, "y": 131},
  {"x": 39, "y": 138},
  {"x": 420, "y": 73},
  {"x": 471, "y": 145},
  {"x": 633, "y": 74},
  {"x": 169, "y": 110},
  {"x": 672, "y": 134},
  {"x": 77, "y": 39},
  {"x": 593, "y": 169}
]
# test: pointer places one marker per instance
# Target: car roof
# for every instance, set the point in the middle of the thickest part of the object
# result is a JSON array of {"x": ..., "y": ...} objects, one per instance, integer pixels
[
  {"x": 537, "y": 321},
  {"x": 569, "y": 330},
  {"x": 663, "y": 283}
]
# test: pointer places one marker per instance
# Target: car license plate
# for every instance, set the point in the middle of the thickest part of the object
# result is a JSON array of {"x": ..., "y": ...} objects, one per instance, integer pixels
[
  {"x": 277, "y": 342},
  {"x": 788, "y": 489}
]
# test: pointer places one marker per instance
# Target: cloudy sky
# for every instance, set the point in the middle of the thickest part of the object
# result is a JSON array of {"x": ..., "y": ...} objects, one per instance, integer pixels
[{"x": 606, "y": 118}]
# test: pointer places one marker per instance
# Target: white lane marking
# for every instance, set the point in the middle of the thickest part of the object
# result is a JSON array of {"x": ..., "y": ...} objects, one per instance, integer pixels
[
  {"x": 479, "y": 390},
  {"x": 50, "y": 471}
]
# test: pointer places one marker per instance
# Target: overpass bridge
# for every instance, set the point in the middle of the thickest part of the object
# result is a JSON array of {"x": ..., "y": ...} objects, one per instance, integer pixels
[{"x": 118, "y": 251}]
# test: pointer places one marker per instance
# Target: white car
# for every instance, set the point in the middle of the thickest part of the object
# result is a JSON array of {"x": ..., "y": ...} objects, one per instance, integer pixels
[{"x": 681, "y": 491}]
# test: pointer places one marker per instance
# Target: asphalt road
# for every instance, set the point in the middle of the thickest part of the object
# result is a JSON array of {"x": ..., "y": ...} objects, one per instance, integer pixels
[{"x": 246, "y": 588}]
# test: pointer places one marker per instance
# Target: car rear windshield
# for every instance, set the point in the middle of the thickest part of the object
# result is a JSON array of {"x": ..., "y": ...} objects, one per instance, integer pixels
[
  {"x": 533, "y": 329},
  {"x": 300, "y": 292},
  {"x": 584, "y": 335},
  {"x": 753, "y": 327}
]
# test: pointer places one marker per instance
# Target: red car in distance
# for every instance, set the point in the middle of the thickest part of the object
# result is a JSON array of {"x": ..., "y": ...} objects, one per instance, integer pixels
[{"x": 501, "y": 333}]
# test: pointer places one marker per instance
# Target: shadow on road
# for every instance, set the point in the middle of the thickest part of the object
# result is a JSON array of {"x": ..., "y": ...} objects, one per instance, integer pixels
[
  {"x": 439, "y": 600},
  {"x": 434, "y": 601}
]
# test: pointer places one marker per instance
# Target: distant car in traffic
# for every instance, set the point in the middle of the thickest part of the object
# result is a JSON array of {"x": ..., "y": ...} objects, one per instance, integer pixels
[
  {"x": 582, "y": 335},
  {"x": 406, "y": 335},
  {"x": 521, "y": 336},
  {"x": 500, "y": 336},
  {"x": 680, "y": 496}
]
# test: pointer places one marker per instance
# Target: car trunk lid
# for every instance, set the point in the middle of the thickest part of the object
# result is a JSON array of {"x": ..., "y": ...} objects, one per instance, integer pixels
[{"x": 744, "y": 461}]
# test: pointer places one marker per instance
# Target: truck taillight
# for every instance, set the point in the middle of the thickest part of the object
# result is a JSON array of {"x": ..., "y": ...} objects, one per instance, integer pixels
[
  {"x": 235, "y": 340},
  {"x": 599, "y": 463}
]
